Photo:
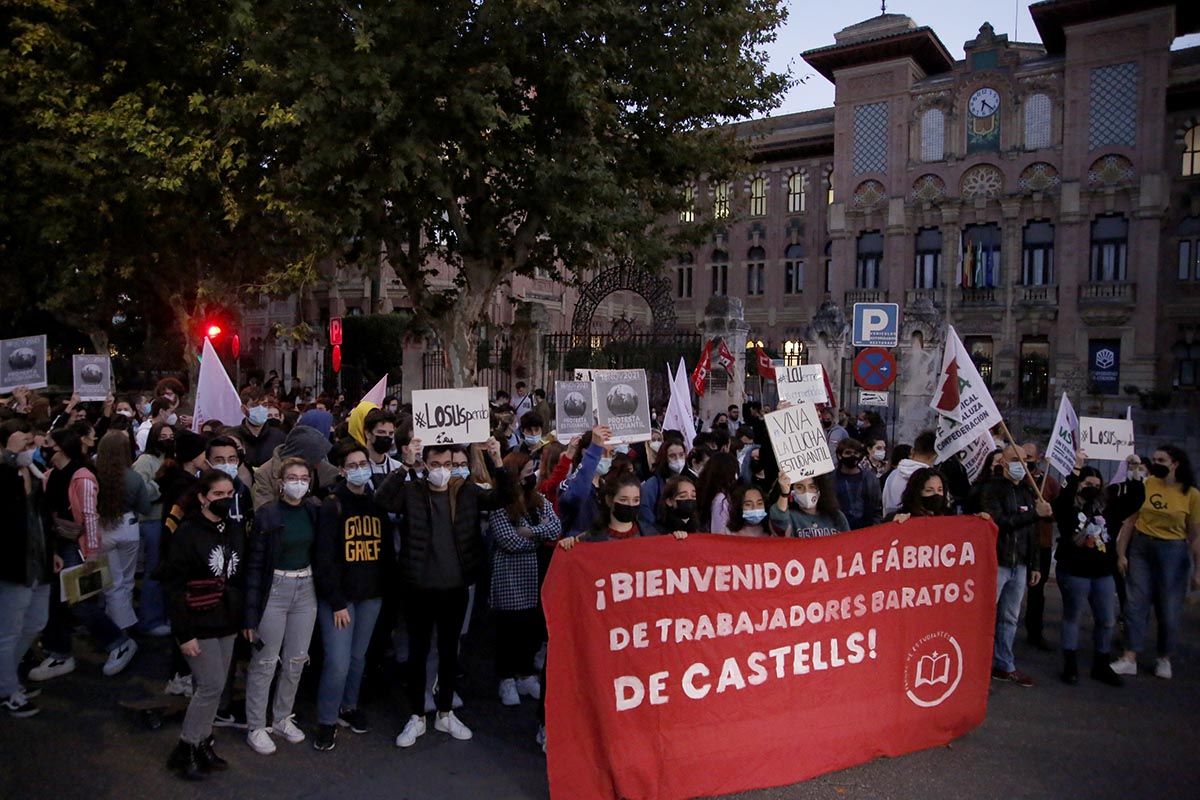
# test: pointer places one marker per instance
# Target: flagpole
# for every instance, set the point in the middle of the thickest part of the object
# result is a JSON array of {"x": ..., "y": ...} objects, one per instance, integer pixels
[{"x": 1008, "y": 435}]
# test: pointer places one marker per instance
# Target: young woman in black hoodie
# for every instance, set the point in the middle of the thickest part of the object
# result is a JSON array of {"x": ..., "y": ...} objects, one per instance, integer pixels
[{"x": 202, "y": 578}]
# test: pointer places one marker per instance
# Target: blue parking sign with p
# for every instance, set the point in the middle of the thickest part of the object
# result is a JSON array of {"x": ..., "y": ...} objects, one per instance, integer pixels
[{"x": 876, "y": 325}]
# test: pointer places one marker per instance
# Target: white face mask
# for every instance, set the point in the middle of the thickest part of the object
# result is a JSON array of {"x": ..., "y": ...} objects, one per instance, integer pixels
[
  {"x": 295, "y": 489},
  {"x": 229, "y": 469},
  {"x": 879, "y": 454},
  {"x": 358, "y": 476},
  {"x": 677, "y": 465},
  {"x": 603, "y": 466},
  {"x": 257, "y": 415},
  {"x": 806, "y": 500},
  {"x": 438, "y": 477},
  {"x": 655, "y": 446},
  {"x": 173, "y": 420},
  {"x": 124, "y": 412}
]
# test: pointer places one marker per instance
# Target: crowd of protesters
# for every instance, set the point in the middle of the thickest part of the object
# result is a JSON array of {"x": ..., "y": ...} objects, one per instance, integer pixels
[{"x": 313, "y": 524}]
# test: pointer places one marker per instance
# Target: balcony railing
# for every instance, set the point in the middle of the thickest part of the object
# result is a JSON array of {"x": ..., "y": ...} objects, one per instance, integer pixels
[
  {"x": 979, "y": 296},
  {"x": 914, "y": 295},
  {"x": 853, "y": 296},
  {"x": 1108, "y": 292},
  {"x": 1042, "y": 295}
]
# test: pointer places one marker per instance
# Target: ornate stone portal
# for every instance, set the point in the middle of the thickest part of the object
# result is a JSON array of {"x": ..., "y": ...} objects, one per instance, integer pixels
[
  {"x": 725, "y": 318},
  {"x": 652, "y": 287}
]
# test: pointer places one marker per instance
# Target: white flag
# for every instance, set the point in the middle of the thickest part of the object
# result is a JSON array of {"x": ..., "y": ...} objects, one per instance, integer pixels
[
  {"x": 679, "y": 408},
  {"x": 975, "y": 455},
  {"x": 1122, "y": 473},
  {"x": 377, "y": 393},
  {"x": 215, "y": 396},
  {"x": 1064, "y": 441},
  {"x": 961, "y": 399}
]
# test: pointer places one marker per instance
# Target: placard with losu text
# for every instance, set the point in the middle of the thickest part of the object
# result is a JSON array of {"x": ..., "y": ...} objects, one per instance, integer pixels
[{"x": 451, "y": 416}]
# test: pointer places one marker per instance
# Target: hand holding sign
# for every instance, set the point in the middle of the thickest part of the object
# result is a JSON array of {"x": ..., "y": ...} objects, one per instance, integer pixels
[
  {"x": 451, "y": 416},
  {"x": 799, "y": 441}
]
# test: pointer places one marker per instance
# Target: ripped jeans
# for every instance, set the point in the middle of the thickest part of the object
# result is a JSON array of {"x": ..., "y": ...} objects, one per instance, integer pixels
[{"x": 285, "y": 631}]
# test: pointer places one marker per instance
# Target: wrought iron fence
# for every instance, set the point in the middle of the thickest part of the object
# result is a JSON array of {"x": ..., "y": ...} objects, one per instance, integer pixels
[
  {"x": 563, "y": 353},
  {"x": 493, "y": 366}
]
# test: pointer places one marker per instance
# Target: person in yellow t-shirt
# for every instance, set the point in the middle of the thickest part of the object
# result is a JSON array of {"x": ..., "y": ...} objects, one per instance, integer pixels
[{"x": 1154, "y": 552}]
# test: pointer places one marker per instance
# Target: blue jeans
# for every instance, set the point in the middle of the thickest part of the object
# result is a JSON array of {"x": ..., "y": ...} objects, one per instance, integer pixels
[
  {"x": 1010, "y": 589},
  {"x": 345, "y": 657},
  {"x": 1101, "y": 595},
  {"x": 57, "y": 638},
  {"x": 153, "y": 604},
  {"x": 1157, "y": 576},
  {"x": 23, "y": 613}
]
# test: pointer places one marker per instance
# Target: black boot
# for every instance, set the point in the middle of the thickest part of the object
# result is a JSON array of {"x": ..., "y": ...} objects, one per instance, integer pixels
[
  {"x": 1102, "y": 670},
  {"x": 1070, "y": 673},
  {"x": 209, "y": 760},
  {"x": 184, "y": 761}
]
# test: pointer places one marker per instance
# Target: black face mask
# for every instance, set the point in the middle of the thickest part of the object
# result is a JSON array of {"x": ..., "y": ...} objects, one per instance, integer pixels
[
  {"x": 1089, "y": 493},
  {"x": 221, "y": 508},
  {"x": 275, "y": 422},
  {"x": 624, "y": 513},
  {"x": 48, "y": 453},
  {"x": 826, "y": 423},
  {"x": 382, "y": 444},
  {"x": 167, "y": 448},
  {"x": 1158, "y": 470},
  {"x": 935, "y": 503},
  {"x": 529, "y": 482},
  {"x": 850, "y": 462},
  {"x": 684, "y": 509}
]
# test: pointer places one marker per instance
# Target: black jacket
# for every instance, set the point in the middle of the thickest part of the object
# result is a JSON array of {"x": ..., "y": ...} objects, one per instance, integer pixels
[
  {"x": 1013, "y": 509},
  {"x": 262, "y": 551},
  {"x": 410, "y": 500},
  {"x": 200, "y": 551},
  {"x": 355, "y": 548},
  {"x": 1096, "y": 561},
  {"x": 260, "y": 447},
  {"x": 21, "y": 522}
]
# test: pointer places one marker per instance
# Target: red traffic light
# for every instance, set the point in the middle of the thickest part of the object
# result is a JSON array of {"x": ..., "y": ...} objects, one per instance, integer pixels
[
  {"x": 235, "y": 345},
  {"x": 213, "y": 331},
  {"x": 337, "y": 358}
]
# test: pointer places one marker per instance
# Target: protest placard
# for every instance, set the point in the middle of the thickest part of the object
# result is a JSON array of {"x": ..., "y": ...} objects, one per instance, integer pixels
[
  {"x": 93, "y": 377},
  {"x": 84, "y": 580},
  {"x": 23, "y": 363},
  {"x": 583, "y": 375},
  {"x": 801, "y": 447},
  {"x": 689, "y": 661},
  {"x": 622, "y": 402},
  {"x": 802, "y": 383},
  {"x": 1064, "y": 439},
  {"x": 451, "y": 416},
  {"x": 572, "y": 408},
  {"x": 1106, "y": 439}
]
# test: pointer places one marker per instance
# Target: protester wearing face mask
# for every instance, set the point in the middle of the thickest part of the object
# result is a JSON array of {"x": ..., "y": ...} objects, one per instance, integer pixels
[
  {"x": 714, "y": 489},
  {"x": 678, "y": 507},
  {"x": 877, "y": 458},
  {"x": 305, "y": 442},
  {"x": 925, "y": 496},
  {"x": 442, "y": 553},
  {"x": 222, "y": 455},
  {"x": 670, "y": 461},
  {"x": 1015, "y": 506},
  {"x": 1087, "y": 559},
  {"x": 806, "y": 509},
  {"x": 517, "y": 531},
  {"x": 620, "y": 500},
  {"x": 748, "y": 516},
  {"x": 354, "y": 563},
  {"x": 160, "y": 445},
  {"x": 281, "y": 606},
  {"x": 531, "y": 435},
  {"x": 1153, "y": 553},
  {"x": 834, "y": 432},
  {"x": 577, "y": 503},
  {"x": 697, "y": 458},
  {"x": 858, "y": 492},
  {"x": 203, "y": 578},
  {"x": 380, "y": 430},
  {"x": 259, "y": 438}
]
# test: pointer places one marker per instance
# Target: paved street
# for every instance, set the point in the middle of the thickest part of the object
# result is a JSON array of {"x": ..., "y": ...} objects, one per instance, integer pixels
[{"x": 1051, "y": 741}]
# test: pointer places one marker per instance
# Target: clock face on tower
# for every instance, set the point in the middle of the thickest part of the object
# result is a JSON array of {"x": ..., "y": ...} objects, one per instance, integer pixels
[{"x": 984, "y": 102}]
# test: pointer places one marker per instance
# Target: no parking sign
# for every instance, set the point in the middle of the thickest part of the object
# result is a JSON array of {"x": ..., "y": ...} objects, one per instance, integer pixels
[{"x": 874, "y": 369}]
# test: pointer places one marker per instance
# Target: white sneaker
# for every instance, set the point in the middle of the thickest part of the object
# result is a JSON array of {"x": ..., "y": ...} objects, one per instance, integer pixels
[
  {"x": 179, "y": 685},
  {"x": 539, "y": 659},
  {"x": 530, "y": 686},
  {"x": 1124, "y": 666},
  {"x": 52, "y": 667},
  {"x": 448, "y": 723},
  {"x": 260, "y": 741},
  {"x": 1162, "y": 669},
  {"x": 508, "y": 693},
  {"x": 288, "y": 730},
  {"x": 412, "y": 731},
  {"x": 119, "y": 658}
]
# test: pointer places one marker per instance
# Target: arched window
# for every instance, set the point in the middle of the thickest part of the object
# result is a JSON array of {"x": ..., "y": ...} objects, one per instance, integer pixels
[
  {"x": 758, "y": 197},
  {"x": 1110, "y": 238},
  {"x": 1037, "y": 254},
  {"x": 933, "y": 135},
  {"x": 1191, "y": 152},
  {"x": 721, "y": 200},
  {"x": 829, "y": 188},
  {"x": 1037, "y": 121},
  {"x": 793, "y": 269},
  {"x": 720, "y": 272},
  {"x": 756, "y": 271},
  {"x": 688, "y": 214},
  {"x": 797, "y": 184}
]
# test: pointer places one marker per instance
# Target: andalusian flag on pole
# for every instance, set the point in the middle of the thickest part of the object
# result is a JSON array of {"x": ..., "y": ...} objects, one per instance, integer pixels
[{"x": 966, "y": 411}]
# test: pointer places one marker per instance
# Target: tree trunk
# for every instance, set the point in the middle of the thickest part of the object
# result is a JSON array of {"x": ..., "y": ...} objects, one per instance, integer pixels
[{"x": 99, "y": 341}]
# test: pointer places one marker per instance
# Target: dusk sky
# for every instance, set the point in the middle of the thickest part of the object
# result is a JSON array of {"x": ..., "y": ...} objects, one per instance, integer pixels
[{"x": 812, "y": 23}]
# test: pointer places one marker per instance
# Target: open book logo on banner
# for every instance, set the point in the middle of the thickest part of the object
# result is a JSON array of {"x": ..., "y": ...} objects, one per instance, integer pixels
[{"x": 933, "y": 669}]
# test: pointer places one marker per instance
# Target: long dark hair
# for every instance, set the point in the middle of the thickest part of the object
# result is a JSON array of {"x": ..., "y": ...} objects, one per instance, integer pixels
[
  {"x": 524, "y": 503},
  {"x": 665, "y": 514},
  {"x": 911, "y": 501},
  {"x": 207, "y": 480},
  {"x": 827, "y": 502},
  {"x": 112, "y": 462},
  {"x": 719, "y": 476},
  {"x": 662, "y": 466},
  {"x": 1184, "y": 475},
  {"x": 153, "y": 445},
  {"x": 609, "y": 487},
  {"x": 736, "y": 520}
]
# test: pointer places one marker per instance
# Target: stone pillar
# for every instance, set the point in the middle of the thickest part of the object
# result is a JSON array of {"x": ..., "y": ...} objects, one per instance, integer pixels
[
  {"x": 725, "y": 318},
  {"x": 919, "y": 357},
  {"x": 827, "y": 341}
]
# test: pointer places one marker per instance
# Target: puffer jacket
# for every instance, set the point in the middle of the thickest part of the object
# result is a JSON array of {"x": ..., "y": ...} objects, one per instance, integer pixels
[{"x": 1013, "y": 509}]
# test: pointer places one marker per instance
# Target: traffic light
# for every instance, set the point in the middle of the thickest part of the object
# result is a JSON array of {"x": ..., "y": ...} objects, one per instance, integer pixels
[{"x": 212, "y": 331}]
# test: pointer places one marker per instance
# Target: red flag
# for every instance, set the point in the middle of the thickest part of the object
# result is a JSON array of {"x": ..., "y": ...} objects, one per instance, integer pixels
[
  {"x": 828, "y": 388},
  {"x": 700, "y": 373},
  {"x": 725, "y": 358},
  {"x": 949, "y": 399},
  {"x": 766, "y": 370}
]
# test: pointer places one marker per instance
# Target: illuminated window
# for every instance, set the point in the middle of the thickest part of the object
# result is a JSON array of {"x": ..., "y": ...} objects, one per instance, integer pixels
[
  {"x": 793, "y": 351},
  {"x": 1110, "y": 237},
  {"x": 688, "y": 214},
  {"x": 721, "y": 200},
  {"x": 758, "y": 197},
  {"x": 1191, "y": 152},
  {"x": 797, "y": 184},
  {"x": 756, "y": 271}
]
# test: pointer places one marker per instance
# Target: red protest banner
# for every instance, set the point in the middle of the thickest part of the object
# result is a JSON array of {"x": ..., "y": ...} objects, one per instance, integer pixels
[{"x": 718, "y": 664}]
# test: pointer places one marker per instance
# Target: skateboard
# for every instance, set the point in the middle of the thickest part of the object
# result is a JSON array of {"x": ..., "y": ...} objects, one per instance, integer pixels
[{"x": 152, "y": 712}]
